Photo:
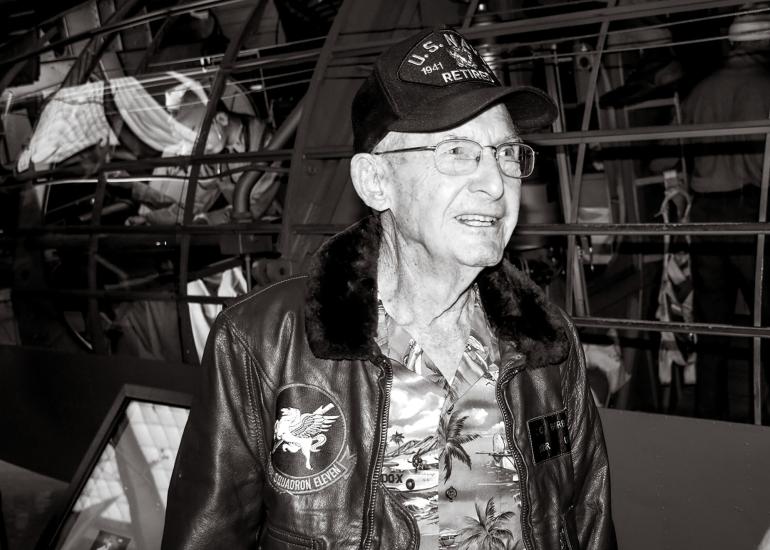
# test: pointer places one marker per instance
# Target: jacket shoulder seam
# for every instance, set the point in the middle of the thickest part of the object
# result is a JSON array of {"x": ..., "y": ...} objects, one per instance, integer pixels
[{"x": 248, "y": 297}]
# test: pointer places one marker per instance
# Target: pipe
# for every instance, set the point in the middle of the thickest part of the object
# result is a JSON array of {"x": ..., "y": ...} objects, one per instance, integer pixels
[{"x": 246, "y": 182}]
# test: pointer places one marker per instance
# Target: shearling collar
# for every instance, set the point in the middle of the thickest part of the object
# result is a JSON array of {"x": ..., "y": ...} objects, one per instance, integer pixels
[{"x": 341, "y": 305}]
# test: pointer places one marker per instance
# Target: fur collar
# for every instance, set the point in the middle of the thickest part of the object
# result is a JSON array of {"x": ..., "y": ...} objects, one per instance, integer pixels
[{"x": 341, "y": 305}]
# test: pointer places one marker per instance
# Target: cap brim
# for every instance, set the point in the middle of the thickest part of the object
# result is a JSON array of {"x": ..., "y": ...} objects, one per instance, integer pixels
[{"x": 530, "y": 109}]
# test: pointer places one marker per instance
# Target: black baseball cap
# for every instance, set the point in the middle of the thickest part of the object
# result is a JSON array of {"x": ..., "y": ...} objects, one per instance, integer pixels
[{"x": 435, "y": 80}]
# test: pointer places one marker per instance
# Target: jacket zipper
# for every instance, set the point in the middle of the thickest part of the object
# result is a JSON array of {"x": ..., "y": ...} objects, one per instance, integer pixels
[
  {"x": 382, "y": 414},
  {"x": 507, "y": 376}
]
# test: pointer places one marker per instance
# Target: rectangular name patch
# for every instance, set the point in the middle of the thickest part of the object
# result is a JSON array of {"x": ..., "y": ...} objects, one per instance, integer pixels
[{"x": 548, "y": 436}]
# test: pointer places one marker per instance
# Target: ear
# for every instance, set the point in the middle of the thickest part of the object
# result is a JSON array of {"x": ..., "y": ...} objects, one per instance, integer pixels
[
  {"x": 370, "y": 178},
  {"x": 222, "y": 118}
]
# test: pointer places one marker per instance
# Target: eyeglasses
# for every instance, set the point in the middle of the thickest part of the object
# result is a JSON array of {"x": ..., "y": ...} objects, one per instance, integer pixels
[{"x": 460, "y": 157}]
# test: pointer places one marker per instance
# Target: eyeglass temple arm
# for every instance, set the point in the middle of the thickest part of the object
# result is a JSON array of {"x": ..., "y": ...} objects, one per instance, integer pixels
[{"x": 406, "y": 150}]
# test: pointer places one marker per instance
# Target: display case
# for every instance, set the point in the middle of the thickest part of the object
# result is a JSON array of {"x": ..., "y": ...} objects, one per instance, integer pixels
[{"x": 117, "y": 499}]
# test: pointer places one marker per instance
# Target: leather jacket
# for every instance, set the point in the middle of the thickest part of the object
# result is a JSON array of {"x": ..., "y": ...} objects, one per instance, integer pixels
[{"x": 306, "y": 346}]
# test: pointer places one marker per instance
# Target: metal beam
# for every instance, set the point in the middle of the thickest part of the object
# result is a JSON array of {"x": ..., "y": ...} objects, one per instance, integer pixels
[
  {"x": 86, "y": 62},
  {"x": 98, "y": 339},
  {"x": 142, "y": 233},
  {"x": 659, "y": 326},
  {"x": 189, "y": 352},
  {"x": 260, "y": 161},
  {"x": 623, "y": 12},
  {"x": 576, "y": 287},
  {"x": 642, "y": 133},
  {"x": 585, "y": 322},
  {"x": 759, "y": 285},
  {"x": 152, "y": 47},
  {"x": 652, "y": 229},
  {"x": 621, "y": 135},
  {"x": 298, "y": 164},
  {"x": 13, "y": 72},
  {"x": 585, "y": 17},
  {"x": 127, "y": 295},
  {"x": 651, "y": 133},
  {"x": 127, "y": 24},
  {"x": 469, "y": 13}
]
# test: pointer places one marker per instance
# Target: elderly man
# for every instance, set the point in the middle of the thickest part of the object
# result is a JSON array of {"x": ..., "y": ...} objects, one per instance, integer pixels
[{"x": 414, "y": 390}]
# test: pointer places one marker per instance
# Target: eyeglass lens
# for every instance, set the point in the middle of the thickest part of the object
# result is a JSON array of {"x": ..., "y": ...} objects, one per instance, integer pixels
[{"x": 458, "y": 157}]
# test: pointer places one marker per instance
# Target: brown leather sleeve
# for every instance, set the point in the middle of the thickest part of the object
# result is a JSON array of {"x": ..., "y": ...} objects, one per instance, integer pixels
[{"x": 215, "y": 496}]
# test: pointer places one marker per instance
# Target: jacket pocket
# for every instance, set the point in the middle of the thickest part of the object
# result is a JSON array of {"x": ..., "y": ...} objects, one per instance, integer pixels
[
  {"x": 274, "y": 538},
  {"x": 568, "y": 539}
]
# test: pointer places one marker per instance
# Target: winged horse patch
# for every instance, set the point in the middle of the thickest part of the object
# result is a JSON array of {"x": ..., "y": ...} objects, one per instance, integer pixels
[{"x": 296, "y": 431}]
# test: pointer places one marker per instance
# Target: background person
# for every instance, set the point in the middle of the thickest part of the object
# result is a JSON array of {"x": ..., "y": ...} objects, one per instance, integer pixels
[
  {"x": 725, "y": 185},
  {"x": 162, "y": 200}
]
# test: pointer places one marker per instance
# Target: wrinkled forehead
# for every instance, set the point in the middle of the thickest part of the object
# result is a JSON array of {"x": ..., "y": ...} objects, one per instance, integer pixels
[{"x": 490, "y": 127}]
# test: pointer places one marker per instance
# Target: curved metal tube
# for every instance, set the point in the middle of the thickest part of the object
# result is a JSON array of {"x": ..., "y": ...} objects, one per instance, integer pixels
[{"x": 246, "y": 182}]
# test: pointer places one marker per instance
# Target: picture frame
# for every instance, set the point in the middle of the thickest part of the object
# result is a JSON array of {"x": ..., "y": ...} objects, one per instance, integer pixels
[{"x": 116, "y": 500}]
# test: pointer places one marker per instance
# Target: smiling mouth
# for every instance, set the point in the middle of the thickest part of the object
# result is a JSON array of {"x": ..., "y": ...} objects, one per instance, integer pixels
[{"x": 477, "y": 220}]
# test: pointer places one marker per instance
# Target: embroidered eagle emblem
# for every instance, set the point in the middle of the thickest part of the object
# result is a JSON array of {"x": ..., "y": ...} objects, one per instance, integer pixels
[
  {"x": 462, "y": 56},
  {"x": 297, "y": 431}
]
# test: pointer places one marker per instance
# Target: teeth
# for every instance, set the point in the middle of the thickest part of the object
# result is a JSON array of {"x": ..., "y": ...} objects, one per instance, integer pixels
[{"x": 477, "y": 220}]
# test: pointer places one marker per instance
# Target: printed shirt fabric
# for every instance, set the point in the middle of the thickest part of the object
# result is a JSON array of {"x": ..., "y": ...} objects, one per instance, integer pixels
[{"x": 447, "y": 459}]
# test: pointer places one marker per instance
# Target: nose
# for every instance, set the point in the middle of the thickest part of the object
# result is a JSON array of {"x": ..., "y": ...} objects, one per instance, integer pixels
[{"x": 487, "y": 178}]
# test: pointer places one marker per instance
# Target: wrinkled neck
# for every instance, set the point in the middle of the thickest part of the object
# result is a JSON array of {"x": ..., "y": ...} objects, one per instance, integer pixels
[{"x": 417, "y": 288}]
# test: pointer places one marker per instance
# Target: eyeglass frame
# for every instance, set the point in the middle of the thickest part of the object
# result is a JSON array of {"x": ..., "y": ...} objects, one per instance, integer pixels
[{"x": 495, "y": 147}]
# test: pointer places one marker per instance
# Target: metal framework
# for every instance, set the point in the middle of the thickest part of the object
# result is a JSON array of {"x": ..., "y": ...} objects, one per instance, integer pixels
[{"x": 316, "y": 165}]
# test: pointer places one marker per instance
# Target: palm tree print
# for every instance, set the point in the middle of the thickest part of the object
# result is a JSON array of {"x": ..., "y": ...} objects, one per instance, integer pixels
[
  {"x": 451, "y": 441},
  {"x": 398, "y": 439},
  {"x": 486, "y": 532}
]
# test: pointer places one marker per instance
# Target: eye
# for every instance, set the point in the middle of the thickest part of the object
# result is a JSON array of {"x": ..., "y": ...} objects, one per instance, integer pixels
[
  {"x": 510, "y": 152},
  {"x": 461, "y": 150}
]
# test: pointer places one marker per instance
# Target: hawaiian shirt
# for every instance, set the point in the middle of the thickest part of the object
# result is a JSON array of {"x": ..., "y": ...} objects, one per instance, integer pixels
[{"x": 447, "y": 459}]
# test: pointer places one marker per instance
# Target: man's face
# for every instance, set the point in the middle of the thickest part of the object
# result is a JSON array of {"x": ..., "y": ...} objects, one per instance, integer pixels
[
  {"x": 461, "y": 220},
  {"x": 193, "y": 116}
]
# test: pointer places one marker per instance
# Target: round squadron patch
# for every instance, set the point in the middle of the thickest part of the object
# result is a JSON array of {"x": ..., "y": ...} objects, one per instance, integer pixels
[{"x": 309, "y": 450}]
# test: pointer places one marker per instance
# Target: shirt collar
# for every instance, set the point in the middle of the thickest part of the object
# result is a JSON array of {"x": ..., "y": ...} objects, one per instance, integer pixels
[{"x": 397, "y": 344}]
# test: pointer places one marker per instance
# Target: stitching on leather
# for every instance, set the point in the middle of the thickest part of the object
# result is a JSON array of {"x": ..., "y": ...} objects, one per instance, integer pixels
[
  {"x": 238, "y": 335},
  {"x": 251, "y": 383},
  {"x": 268, "y": 287},
  {"x": 283, "y": 535},
  {"x": 574, "y": 354},
  {"x": 565, "y": 531}
]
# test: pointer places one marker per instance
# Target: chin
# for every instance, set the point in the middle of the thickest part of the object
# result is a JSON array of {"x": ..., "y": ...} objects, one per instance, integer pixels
[
  {"x": 479, "y": 251},
  {"x": 482, "y": 256}
]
